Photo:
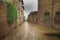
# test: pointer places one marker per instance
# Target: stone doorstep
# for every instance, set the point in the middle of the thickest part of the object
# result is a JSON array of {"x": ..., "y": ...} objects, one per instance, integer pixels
[
  {"x": 52, "y": 33},
  {"x": 57, "y": 35}
]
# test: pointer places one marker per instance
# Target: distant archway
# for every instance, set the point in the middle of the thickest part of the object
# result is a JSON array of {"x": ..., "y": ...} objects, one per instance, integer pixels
[
  {"x": 47, "y": 17},
  {"x": 36, "y": 20},
  {"x": 57, "y": 18}
]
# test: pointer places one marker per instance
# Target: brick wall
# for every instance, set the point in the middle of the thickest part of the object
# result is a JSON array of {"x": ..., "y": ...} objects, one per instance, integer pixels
[{"x": 3, "y": 20}]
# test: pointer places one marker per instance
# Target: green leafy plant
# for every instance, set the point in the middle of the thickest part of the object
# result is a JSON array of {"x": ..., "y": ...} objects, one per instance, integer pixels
[{"x": 11, "y": 13}]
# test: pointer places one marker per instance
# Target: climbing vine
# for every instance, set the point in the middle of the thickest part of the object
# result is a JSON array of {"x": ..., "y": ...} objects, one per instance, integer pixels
[{"x": 11, "y": 12}]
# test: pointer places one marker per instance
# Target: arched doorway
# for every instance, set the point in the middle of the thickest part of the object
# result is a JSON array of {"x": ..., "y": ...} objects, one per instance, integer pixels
[
  {"x": 36, "y": 20},
  {"x": 57, "y": 18},
  {"x": 47, "y": 18}
]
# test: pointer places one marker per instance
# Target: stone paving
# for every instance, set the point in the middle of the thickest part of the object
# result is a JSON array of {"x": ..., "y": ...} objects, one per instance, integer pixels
[{"x": 30, "y": 31}]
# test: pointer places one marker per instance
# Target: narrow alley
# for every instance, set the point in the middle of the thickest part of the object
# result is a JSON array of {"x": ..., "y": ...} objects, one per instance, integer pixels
[
  {"x": 30, "y": 31},
  {"x": 29, "y": 20}
]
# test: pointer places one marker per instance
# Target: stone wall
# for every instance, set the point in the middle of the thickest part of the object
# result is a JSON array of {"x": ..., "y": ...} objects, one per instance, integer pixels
[
  {"x": 44, "y": 6},
  {"x": 5, "y": 29},
  {"x": 50, "y": 8},
  {"x": 56, "y": 10}
]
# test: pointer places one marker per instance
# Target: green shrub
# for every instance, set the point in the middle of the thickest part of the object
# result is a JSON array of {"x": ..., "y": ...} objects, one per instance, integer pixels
[{"x": 11, "y": 12}]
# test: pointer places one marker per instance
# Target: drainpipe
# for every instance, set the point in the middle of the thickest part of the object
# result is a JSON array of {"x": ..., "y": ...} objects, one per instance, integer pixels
[{"x": 52, "y": 16}]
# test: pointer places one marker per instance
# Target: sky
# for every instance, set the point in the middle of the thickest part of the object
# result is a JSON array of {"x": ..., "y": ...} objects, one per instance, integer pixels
[{"x": 30, "y": 6}]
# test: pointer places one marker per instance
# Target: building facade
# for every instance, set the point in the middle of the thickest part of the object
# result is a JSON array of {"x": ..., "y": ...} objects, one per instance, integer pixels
[
  {"x": 5, "y": 29},
  {"x": 20, "y": 10},
  {"x": 33, "y": 17},
  {"x": 48, "y": 13}
]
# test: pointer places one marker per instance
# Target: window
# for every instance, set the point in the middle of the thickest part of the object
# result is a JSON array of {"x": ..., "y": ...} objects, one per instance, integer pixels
[{"x": 57, "y": 18}]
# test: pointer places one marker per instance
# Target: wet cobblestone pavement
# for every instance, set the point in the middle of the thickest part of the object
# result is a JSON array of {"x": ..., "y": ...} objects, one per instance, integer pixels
[{"x": 30, "y": 31}]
